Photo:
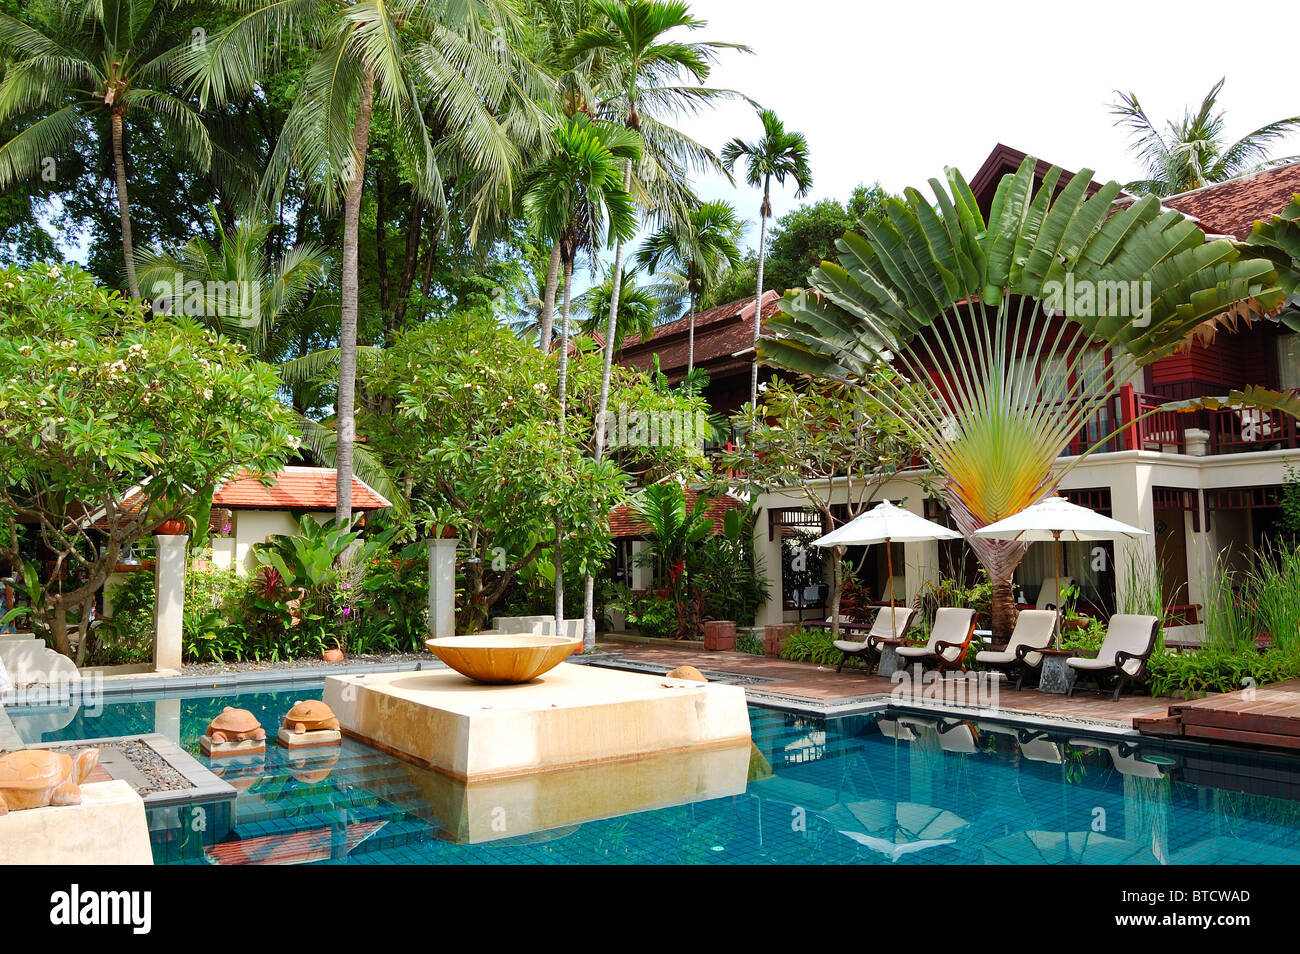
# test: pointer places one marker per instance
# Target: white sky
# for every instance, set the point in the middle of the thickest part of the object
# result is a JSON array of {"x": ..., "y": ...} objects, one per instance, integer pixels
[{"x": 898, "y": 91}]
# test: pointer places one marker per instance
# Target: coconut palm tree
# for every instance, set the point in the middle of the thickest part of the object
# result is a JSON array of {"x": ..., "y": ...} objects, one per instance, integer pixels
[
  {"x": 969, "y": 312},
  {"x": 408, "y": 58},
  {"x": 576, "y": 200},
  {"x": 699, "y": 249},
  {"x": 1193, "y": 152},
  {"x": 781, "y": 154},
  {"x": 646, "y": 68},
  {"x": 81, "y": 66}
]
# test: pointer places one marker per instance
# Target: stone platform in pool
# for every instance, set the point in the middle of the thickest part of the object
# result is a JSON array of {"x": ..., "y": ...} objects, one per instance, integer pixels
[{"x": 572, "y": 715}]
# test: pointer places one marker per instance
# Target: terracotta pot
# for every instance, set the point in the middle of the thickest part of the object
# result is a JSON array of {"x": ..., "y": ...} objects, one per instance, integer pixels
[
  {"x": 171, "y": 528},
  {"x": 333, "y": 655}
]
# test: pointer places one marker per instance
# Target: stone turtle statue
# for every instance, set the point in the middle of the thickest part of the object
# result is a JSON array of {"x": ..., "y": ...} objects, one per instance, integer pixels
[{"x": 35, "y": 778}]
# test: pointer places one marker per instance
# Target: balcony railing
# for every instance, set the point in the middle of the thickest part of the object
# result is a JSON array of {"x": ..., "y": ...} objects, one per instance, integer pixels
[{"x": 1201, "y": 432}]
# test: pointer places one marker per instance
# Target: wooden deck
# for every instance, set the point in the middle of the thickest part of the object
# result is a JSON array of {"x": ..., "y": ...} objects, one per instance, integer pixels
[
  {"x": 1265, "y": 716},
  {"x": 823, "y": 685}
]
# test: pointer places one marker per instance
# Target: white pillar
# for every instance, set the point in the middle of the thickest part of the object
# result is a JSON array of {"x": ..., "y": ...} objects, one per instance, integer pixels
[
  {"x": 442, "y": 587},
  {"x": 642, "y": 574},
  {"x": 169, "y": 600},
  {"x": 920, "y": 560},
  {"x": 768, "y": 554}
]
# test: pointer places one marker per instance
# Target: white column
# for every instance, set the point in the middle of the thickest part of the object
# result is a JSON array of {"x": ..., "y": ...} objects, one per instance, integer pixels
[
  {"x": 1131, "y": 503},
  {"x": 768, "y": 554},
  {"x": 169, "y": 600},
  {"x": 920, "y": 560},
  {"x": 641, "y": 574},
  {"x": 442, "y": 587}
]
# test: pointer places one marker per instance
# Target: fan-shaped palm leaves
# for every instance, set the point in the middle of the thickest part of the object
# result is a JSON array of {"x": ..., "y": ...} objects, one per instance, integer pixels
[
  {"x": 1193, "y": 152},
  {"x": 699, "y": 250},
  {"x": 84, "y": 61},
  {"x": 781, "y": 154},
  {"x": 971, "y": 312}
]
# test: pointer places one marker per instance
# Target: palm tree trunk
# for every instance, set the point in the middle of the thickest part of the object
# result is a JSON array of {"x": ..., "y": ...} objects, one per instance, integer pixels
[
  {"x": 563, "y": 393},
  {"x": 763, "y": 213},
  {"x": 546, "y": 320},
  {"x": 602, "y": 410},
  {"x": 690, "y": 336},
  {"x": 348, "y": 293},
  {"x": 124, "y": 205}
]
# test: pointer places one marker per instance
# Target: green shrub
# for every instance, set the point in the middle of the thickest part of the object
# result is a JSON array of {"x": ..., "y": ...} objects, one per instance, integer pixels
[
  {"x": 655, "y": 616},
  {"x": 816, "y": 646},
  {"x": 752, "y": 643},
  {"x": 127, "y": 636},
  {"x": 1216, "y": 669}
]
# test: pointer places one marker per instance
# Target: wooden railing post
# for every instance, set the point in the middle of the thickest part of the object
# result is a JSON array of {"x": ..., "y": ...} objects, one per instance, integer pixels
[{"x": 1128, "y": 408}]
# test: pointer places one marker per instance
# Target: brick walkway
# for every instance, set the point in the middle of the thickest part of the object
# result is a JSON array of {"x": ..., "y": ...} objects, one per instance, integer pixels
[{"x": 823, "y": 684}]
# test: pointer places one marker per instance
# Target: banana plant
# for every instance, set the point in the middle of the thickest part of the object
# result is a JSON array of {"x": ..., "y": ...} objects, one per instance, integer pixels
[{"x": 972, "y": 313}]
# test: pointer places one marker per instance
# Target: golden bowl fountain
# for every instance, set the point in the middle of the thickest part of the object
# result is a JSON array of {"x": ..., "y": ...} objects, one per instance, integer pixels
[{"x": 502, "y": 658}]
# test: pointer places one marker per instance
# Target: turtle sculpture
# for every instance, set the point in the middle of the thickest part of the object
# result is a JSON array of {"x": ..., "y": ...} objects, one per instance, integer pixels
[
  {"x": 311, "y": 715},
  {"x": 35, "y": 778},
  {"x": 687, "y": 672},
  {"x": 235, "y": 725}
]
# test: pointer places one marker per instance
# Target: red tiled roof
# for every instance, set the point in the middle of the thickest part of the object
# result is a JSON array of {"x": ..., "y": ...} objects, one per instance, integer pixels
[
  {"x": 720, "y": 333},
  {"x": 294, "y": 488},
  {"x": 623, "y": 521},
  {"x": 1233, "y": 207}
]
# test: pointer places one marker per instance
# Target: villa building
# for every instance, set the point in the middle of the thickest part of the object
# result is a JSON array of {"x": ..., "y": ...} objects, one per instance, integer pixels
[{"x": 1206, "y": 485}]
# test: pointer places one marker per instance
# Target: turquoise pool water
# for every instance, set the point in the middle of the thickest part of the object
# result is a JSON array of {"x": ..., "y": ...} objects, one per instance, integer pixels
[{"x": 862, "y": 789}]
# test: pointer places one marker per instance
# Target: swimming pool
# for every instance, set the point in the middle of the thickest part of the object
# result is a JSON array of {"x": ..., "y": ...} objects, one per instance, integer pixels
[{"x": 858, "y": 789}]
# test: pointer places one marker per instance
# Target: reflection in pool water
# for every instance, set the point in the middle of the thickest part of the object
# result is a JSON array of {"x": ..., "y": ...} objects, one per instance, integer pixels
[{"x": 863, "y": 789}]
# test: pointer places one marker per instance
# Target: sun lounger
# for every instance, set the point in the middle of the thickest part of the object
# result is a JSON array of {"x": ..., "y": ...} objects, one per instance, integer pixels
[
  {"x": 886, "y": 626},
  {"x": 1125, "y": 651},
  {"x": 1034, "y": 629},
  {"x": 952, "y": 632}
]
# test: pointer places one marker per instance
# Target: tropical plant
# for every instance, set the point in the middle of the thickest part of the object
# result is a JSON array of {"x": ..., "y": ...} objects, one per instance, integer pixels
[
  {"x": 645, "y": 71},
  {"x": 837, "y": 444},
  {"x": 675, "y": 526},
  {"x": 970, "y": 313},
  {"x": 113, "y": 419},
  {"x": 1193, "y": 152},
  {"x": 725, "y": 576},
  {"x": 378, "y": 53},
  {"x": 697, "y": 250},
  {"x": 577, "y": 200},
  {"x": 78, "y": 65},
  {"x": 639, "y": 308},
  {"x": 781, "y": 154}
]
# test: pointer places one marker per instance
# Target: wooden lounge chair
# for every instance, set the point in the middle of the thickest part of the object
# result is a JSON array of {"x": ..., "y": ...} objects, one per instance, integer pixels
[
  {"x": 1125, "y": 651},
  {"x": 952, "y": 632},
  {"x": 1034, "y": 629},
  {"x": 886, "y": 626},
  {"x": 1049, "y": 592}
]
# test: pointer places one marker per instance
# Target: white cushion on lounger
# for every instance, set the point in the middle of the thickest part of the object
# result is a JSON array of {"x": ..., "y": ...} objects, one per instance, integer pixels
[
  {"x": 950, "y": 626},
  {"x": 1127, "y": 632},
  {"x": 1033, "y": 628},
  {"x": 881, "y": 628}
]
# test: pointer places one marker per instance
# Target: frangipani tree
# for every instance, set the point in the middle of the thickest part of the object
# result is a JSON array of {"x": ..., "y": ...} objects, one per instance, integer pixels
[{"x": 971, "y": 312}]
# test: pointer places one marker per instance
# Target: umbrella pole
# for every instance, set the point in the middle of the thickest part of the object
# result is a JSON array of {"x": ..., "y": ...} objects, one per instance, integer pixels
[
  {"x": 1060, "y": 609},
  {"x": 893, "y": 617}
]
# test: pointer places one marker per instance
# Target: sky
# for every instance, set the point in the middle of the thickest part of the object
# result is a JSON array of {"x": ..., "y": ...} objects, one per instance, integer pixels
[{"x": 895, "y": 92}]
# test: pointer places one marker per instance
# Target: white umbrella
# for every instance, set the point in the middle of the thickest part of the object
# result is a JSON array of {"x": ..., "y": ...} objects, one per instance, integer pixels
[
  {"x": 1056, "y": 519},
  {"x": 885, "y": 523}
]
